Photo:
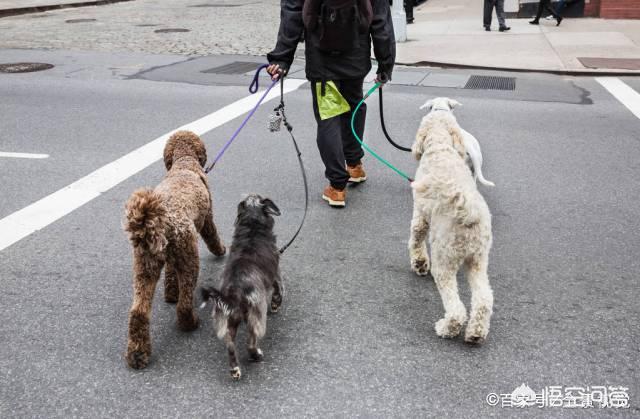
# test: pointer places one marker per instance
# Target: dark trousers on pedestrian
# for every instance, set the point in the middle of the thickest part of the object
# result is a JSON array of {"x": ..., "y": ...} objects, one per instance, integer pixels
[
  {"x": 545, "y": 5},
  {"x": 336, "y": 142},
  {"x": 488, "y": 11}
]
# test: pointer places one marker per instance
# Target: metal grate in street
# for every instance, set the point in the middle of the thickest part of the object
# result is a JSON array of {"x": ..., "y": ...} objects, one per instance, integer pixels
[
  {"x": 491, "y": 83},
  {"x": 24, "y": 67}
]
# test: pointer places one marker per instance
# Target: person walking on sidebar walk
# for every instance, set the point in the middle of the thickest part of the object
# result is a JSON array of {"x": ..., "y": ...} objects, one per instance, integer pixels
[
  {"x": 489, "y": 5},
  {"x": 546, "y": 5}
]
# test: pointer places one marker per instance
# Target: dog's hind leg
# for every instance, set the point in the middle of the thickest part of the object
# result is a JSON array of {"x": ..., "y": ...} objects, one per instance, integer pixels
[
  {"x": 481, "y": 299},
  {"x": 186, "y": 264},
  {"x": 256, "y": 328},
  {"x": 146, "y": 275},
  {"x": 417, "y": 243},
  {"x": 209, "y": 234},
  {"x": 230, "y": 342},
  {"x": 171, "y": 290},
  {"x": 455, "y": 314},
  {"x": 276, "y": 297}
]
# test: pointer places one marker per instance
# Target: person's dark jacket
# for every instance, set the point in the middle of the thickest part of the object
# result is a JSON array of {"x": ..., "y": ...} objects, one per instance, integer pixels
[{"x": 321, "y": 66}]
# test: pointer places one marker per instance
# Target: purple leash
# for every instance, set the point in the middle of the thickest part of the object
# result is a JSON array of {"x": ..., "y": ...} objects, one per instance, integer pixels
[{"x": 253, "y": 88}]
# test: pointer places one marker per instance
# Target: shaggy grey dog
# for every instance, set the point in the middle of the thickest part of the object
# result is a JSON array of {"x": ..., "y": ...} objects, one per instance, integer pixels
[{"x": 251, "y": 278}]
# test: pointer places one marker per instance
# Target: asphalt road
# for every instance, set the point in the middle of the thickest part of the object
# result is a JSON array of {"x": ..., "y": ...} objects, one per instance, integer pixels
[{"x": 355, "y": 336}]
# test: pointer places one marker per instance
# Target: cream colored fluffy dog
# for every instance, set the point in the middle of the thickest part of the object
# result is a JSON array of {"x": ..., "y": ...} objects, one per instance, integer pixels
[{"x": 451, "y": 212}]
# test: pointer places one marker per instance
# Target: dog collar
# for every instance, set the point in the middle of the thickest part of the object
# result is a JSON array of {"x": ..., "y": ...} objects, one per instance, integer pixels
[{"x": 440, "y": 109}]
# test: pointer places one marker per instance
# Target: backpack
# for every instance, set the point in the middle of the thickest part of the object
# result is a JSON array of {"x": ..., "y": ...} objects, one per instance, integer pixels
[{"x": 338, "y": 23}]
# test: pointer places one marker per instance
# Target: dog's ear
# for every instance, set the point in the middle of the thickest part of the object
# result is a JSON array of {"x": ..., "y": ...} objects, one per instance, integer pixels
[
  {"x": 427, "y": 105},
  {"x": 270, "y": 207},
  {"x": 201, "y": 152},
  {"x": 417, "y": 149},
  {"x": 453, "y": 103},
  {"x": 168, "y": 152}
]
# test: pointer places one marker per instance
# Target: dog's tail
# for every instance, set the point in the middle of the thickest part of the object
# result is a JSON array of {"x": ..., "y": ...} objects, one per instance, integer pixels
[
  {"x": 452, "y": 201},
  {"x": 223, "y": 308},
  {"x": 146, "y": 220}
]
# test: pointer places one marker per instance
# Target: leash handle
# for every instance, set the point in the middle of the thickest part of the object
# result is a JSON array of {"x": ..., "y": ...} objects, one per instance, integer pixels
[
  {"x": 253, "y": 87},
  {"x": 366, "y": 147}
]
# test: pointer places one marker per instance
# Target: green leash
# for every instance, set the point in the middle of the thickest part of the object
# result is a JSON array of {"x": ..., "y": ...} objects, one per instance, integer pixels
[{"x": 366, "y": 147}]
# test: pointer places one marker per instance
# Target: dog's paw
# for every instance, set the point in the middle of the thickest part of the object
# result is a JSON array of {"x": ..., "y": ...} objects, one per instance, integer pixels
[
  {"x": 420, "y": 266},
  {"x": 170, "y": 298},
  {"x": 276, "y": 303},
  {"x": 476, "y": 333},
  {"x": 221, "y": 251},
  {"x": 188, "y": 322},
  {"x": 256, "y": 356},
  {"x": 474, "y": 340},
  {"x": 137, "y": 359},
  {"x": 235, "y": 373},
  {"x": 448, "y": 327}
]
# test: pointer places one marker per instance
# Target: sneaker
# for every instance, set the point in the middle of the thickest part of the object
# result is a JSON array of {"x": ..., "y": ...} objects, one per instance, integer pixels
[
  {"x": 550, "y": 17},
  {"x": 356, "y": 173},
  {"x": 335, "y": 197}
]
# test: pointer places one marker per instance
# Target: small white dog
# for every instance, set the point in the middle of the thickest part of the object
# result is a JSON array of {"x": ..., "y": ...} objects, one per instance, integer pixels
[
  {"x": 471, "y": 144},
  {"x": 449, "y": 210}
]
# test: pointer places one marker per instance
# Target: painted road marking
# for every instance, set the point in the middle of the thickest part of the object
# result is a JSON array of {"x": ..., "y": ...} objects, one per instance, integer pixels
[
  {"x": 623, "y": 92},
  {"x": 40, "y": 214},
  {"x": 23, "y": 155}
]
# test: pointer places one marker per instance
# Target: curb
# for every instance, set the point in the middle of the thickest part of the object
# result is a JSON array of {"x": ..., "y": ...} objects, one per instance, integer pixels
[
  {"x": 578, "y": 73},
  {"x": 37, "y": 9}
]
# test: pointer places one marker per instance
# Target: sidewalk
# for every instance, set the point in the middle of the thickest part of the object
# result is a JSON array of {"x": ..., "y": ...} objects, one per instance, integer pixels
[
  {"x": 18, "y": 7},
  {"x": 451, "y": 32}
]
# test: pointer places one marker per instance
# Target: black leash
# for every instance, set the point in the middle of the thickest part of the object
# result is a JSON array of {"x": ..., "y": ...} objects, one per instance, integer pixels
[
  {"x": 384, "y": 128},
  {"x": 274, "y": 125}
]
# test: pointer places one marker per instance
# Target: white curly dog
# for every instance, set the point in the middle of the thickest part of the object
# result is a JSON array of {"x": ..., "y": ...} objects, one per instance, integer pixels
[{"x": 449, "y": 210}]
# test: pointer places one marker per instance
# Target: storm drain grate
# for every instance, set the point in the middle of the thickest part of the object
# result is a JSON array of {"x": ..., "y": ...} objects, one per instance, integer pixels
[
  {"x": 491, "y": 83},
  {"x": 236, "y": 67},
  {"x": 171, "y": 30},
  {"x": 24, "y": 67},
  {"x": 80, "y": 20}
]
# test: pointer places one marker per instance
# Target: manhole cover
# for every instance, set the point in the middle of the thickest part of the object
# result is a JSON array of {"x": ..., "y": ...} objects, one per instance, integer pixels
[
  {"x": 611, "y": 63},
  {"x": 171, "y": 30},
  {"x": 236, "y": 67},
  {"x": 24, "y": 67},
  {"x": 491, "y": 83},
  {"x": 80, "y": 20},
  {"x": 217, "y": 5}
]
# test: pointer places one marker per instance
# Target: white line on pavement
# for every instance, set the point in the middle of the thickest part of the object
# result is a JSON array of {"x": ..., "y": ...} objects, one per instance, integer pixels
[
  {"x": 41, "y": 213},
  {"x": 623, "y": 92},
  {"x": 23, "y": 155}
]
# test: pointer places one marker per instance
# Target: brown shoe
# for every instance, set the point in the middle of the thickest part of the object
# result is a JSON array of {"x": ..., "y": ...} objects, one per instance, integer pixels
[
  {"x": 335, "y": 197},
  {"x": 356, "y": 173}
]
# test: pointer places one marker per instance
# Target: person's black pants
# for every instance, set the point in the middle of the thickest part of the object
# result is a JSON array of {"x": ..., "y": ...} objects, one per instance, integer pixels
[
  {"x": 545, "y": 4},
  {"x": 336, "y": 142},
  {"x": 489, "y": 5}
]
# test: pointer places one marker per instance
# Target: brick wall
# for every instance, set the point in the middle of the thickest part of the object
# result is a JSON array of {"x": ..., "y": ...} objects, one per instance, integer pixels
[
  {"x": 592, "y": 8},
  {"x": 620, "y": 9}
]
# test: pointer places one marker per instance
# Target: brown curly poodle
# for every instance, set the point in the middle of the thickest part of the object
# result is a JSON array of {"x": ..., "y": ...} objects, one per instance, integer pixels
[{"x": 163, "y": 226}]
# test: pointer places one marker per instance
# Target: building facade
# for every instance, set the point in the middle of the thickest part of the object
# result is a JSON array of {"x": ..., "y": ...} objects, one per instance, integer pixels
[{"x": 608, "y": 9}]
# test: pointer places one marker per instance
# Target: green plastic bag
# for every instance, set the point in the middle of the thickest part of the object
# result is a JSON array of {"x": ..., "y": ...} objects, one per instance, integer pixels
[{"x": 332, "y": 103}]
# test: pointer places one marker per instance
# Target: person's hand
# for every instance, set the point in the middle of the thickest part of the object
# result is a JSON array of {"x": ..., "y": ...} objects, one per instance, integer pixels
[
  {"x": 275, "y": 71},
  {"x": 381, "y": 78}
]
